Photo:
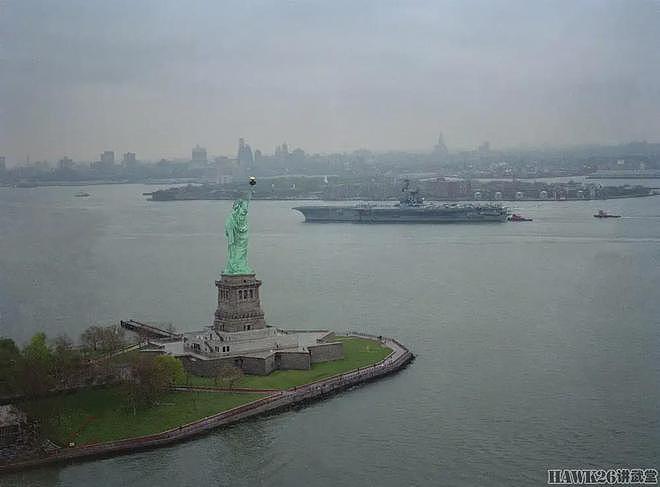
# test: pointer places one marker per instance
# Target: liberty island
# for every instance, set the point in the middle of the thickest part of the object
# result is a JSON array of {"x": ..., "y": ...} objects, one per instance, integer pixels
[{"x": 311, "y": 365}]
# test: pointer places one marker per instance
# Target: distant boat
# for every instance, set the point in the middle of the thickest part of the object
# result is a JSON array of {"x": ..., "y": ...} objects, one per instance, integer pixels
[
  {"x": 517, "y": 218},
  {"x": 604, "y": 214},
  {"x": 81, "y": 194}
]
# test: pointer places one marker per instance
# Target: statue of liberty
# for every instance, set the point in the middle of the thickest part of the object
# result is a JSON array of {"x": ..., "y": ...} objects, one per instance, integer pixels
[{"x": 236, "y": 231}]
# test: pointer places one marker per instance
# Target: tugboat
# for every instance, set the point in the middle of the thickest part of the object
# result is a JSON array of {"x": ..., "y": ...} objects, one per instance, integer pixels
[
  {"x": 604, "y": 214},
  {"x": 517, "y": 218}
]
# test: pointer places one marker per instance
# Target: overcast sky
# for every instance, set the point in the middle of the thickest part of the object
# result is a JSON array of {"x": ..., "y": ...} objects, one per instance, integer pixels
[{"x": 157, "y": 77}]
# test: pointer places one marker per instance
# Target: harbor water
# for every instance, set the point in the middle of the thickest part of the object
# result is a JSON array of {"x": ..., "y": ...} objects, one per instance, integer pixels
[{"x": 537, "y": 343}]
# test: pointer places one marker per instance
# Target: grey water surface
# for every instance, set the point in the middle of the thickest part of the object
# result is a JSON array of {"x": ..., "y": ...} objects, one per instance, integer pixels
[{"x": 538, "y": 344}]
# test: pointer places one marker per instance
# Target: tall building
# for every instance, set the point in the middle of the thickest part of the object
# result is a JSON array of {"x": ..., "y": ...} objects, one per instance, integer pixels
[
  {"x": 65, "y": 163},
  {"x": 198, "y": 154},
  {"x": 106, "y": 163},
  {"x": 440, "y": 148},
  {"x": 244, "y": 156},
  {"x": 282, "y": 151},
  {"x": 3, "y": 163},
  {"x": 108, "y": 158}
]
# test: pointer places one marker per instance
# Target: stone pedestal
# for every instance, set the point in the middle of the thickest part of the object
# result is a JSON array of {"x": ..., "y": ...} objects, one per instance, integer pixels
[{"x": 239, "y": 306}]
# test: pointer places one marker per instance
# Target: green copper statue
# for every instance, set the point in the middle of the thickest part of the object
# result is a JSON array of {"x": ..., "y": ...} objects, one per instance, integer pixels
[{"x": 236, "y": 231}]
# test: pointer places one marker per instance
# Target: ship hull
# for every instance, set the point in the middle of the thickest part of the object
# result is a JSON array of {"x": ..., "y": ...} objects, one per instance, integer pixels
[{"x": 350, "y": 214}]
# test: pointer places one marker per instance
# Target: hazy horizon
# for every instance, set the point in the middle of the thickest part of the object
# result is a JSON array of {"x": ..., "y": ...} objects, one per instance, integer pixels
[{"x": 158, "y": 77}]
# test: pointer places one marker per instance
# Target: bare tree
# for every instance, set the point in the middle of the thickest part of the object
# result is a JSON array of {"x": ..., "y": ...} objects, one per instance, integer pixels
[
  {"x": 62, "y": 342},
  {"x": 92, "y": 338},
  {"x": 103, "y": 338},
  {"x": 114, "y": 338},
  {"x": 67, "y": 361}
]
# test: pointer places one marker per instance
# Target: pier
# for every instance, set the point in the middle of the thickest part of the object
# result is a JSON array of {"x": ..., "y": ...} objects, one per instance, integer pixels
[{"x": 149, "y": 331}]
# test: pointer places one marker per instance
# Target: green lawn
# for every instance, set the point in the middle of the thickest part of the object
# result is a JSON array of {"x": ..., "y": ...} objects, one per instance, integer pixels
[
  {"x": 358, "y": 352},
  {"x": 94, "y": 415}
]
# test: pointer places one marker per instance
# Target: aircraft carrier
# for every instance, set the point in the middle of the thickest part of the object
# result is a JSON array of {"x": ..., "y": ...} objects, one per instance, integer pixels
[{"x": 410, "y": 209}]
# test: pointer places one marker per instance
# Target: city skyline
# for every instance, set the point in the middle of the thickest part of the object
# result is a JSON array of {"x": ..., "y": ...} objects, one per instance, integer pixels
[
  {"x": 81, "y": 77},
  {"x": 209, "y": 157},
  {"x": 213, "y": 157}
]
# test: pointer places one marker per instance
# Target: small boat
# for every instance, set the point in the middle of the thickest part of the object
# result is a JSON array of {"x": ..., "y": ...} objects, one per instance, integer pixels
[
  {"x": 604, "y": 214},
  {"x": 81, "y": 194},
  {"x": 517, "y": 218}
]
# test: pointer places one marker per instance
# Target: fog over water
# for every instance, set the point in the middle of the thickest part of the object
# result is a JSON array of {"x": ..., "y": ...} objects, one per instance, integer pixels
[
  {"x": 538, "y": 344},
  {"x": 155, "y": 77}
]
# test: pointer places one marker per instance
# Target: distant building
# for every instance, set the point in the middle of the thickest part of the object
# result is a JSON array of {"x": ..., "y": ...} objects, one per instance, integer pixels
[
  {"x": 282, "y": 151},
  {"x": 225, "y": 179},
  {"x": 65, "y": 163},
  {"x": 299, "y": 155},
  {"x": 129, "y": 159},
  {"x": 244, "y": 156},
  {"x": 440, "y": 148},
  {"x": 224, "y": 170},
  {"x": 199, "y": 154},
  {"x": 484, "y": 148},
  {"x": 3, "y": 163},
  {"x": 108, "y": 158},
  {"x": 41, "y": 165},
  {"x": 107, "y": 162}
]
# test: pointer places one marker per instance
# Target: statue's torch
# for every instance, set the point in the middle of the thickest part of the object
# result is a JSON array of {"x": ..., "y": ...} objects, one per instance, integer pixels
[{"x": 253, "y": 181}]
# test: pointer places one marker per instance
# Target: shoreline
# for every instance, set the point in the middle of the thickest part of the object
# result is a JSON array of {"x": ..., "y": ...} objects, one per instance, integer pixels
[
  {"x": 483, "y": 200},
  {"x": 282, "y": 400}
]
